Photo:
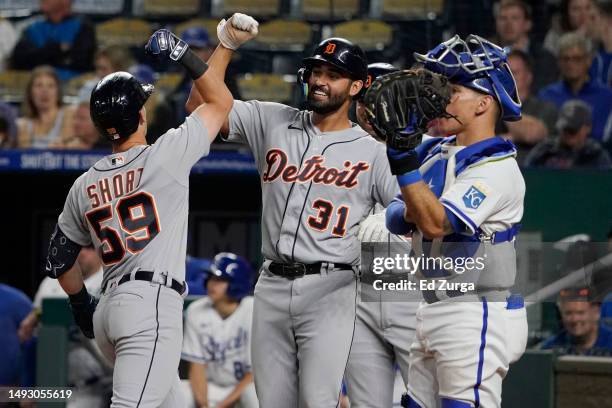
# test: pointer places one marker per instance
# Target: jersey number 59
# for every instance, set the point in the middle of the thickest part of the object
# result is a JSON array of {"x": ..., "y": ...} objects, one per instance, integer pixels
[{"x": 137, "y": 215}]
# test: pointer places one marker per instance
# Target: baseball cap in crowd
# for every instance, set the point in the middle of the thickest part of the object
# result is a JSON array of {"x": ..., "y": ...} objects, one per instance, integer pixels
[
  {"x": 196, "y": 37},
  {"x": 143, "y": 73},
  {"x": 573, "y": 115},
  {"x": 575, "y": 294}
]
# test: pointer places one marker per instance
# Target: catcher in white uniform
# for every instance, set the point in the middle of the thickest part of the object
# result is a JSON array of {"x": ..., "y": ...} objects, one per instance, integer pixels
[
  {"x": 217, "y": 337},
  {"x": 461, "y": 199}
]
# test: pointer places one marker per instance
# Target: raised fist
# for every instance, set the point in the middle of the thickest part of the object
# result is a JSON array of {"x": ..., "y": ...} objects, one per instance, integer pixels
[{"x": 239, "y": 29}]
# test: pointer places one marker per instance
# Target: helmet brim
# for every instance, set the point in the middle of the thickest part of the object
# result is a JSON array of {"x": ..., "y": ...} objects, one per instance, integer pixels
[{"x": 317, "y": 59}]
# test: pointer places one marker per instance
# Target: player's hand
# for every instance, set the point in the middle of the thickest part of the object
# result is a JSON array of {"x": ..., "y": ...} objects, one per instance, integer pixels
[
  {"x": 27, "y": 326},
  {"x": 164, "y": 44},
  {"x": 239, "y": 29},
  {"x": 83, "y": 315},
  {"x": 373, "y": 229}
]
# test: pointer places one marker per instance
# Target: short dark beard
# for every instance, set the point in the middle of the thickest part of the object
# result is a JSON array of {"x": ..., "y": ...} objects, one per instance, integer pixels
[{"x": 332, "y": 104}]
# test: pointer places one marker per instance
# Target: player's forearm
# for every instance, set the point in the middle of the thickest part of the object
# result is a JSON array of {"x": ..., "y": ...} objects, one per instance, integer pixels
[
  {"x": 426, "y": 211},
  {"x": 72, "y": 280},
  {"x": 197, "y": 380},
  {"x": 211, "y": 86},
  {"x": 234, "y": 396}
]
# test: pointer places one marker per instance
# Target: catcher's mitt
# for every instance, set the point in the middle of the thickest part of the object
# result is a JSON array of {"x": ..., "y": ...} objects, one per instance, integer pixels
[{"x": 399, "y": 105}]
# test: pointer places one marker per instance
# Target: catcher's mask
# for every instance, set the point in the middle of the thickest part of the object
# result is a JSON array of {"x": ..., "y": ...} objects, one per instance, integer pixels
[
  {"x": 115, "y": 104},
  {"x": 477, "y": 64},
  {"x": 340, "y": 53}
]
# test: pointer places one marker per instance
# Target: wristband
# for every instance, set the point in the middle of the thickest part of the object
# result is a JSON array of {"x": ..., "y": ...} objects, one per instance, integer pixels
[
  {"x": 80, "y": 297},
  {"x": 409, "y": 178},
  {"x": 193, "y": 64}
]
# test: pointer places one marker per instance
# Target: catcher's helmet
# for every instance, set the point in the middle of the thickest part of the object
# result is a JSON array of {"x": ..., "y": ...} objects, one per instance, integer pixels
[
  {"x": 236, "y": 271},
  {"x": 115, "y": 103},
  {"x": 478, "y": 64},
  {"x": 376, "y": 70},
  {"x": 340, "y": 53}
]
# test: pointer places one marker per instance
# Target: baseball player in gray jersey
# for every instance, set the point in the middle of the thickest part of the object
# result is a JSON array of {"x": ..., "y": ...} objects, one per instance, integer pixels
[
  {"x": 384, "y": 329},
  {"x": 321, "y": 175},
  {"x": 132, "y": 205}
]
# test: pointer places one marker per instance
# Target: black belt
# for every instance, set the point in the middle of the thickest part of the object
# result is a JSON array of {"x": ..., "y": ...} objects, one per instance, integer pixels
[
  {"x": 148, "y": 277},
  {"x": 297, "y": 270}
]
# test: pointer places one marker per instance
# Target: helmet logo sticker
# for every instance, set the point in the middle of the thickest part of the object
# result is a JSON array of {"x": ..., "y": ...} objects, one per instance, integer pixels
[{"x": 331, "y": 47}]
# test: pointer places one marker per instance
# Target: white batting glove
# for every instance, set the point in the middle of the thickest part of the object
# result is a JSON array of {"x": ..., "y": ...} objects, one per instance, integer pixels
[
  {"x": 239, "y": 29},
  {"x": 373, "y": 229}
]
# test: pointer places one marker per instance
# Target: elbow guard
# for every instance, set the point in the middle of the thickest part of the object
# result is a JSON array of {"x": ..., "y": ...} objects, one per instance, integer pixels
[{"x": 61, "y": 255}]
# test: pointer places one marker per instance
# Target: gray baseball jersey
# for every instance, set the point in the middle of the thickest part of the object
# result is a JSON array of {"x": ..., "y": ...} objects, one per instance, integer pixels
[
  {"x": 316, "y": 187},
  {"x": 133, "y": 205}
]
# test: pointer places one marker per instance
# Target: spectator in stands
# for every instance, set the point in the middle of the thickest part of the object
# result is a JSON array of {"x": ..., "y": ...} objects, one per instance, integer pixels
[
  {"x": 539, "y": 117},
  {"x": 85, "y": 134},
  {"x": 575, "y": 56},
  {"x": 513, "y": 23},
  {"x": 112, "y": 59},
  {"x": 14, "y": 307},
  {"x": 47, "y": 122},
  {"x": 601, "y": 68},
  {"x": 573, "y": 148},
  {"x": 60, "y": 39},
  {"x": 9, "y": 38},
  {"x": 582, "y": 333},
  {"x": 8, "y": 117},
  {"x": 575, "y": 15}
]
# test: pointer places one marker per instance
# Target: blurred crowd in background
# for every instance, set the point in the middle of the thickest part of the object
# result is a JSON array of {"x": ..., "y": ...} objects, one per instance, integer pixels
[{"x": 560, "y": 54}]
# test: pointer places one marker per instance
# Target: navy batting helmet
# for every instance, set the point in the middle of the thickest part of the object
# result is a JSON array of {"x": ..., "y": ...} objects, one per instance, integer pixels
[
  {"x": 376, "y": 70},
  {"x": 477, "y": 64},
  {"x": 342, "y": 54},
  {"x": 236, "y": 271},
  {"x": 115, "y": 104}
]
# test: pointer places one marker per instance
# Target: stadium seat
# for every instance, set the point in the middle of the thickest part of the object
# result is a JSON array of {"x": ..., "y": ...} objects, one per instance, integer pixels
[
  {"x": 97, "y": 6},
  {"x": 410, "y": 9},
  {"x": 74, "y": 85},
  {"x": 209, "y": 24},
  {"x": 13, "y": 85},
  {"x": 172, "y": 8},
  {"x": 259, "y": 8},
  {"x": 321, "y": 9},
  {"x": 284, "y": 35},
  {"x": 123, "y": 31},
  {"x": 265, "y": 87},
  {"x": 371, "y": 35},
  {"x": 18, "y": 8}
]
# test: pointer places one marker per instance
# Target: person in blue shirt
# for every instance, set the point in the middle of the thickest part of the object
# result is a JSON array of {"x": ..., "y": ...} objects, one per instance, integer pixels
[
  {"x": 14, "y": 307},
  {"x": 60, "y": 39},
  {"x": 575, "y": 57},
  {"x": 582, "y": 332}
]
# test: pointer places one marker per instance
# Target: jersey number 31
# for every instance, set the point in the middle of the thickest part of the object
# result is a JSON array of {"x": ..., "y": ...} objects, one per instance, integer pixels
[{"x": 137, "y": 216}]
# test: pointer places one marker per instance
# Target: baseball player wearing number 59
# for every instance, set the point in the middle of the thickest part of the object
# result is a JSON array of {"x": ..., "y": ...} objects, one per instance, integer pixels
[
  {"x": 133, "y": 205},
  {"x": 461, "y": 194},
  {"x": 321, "y": 175}
]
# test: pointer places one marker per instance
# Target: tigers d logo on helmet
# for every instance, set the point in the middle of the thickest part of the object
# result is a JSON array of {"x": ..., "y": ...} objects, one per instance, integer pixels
[{"x": 331, "y": 47}]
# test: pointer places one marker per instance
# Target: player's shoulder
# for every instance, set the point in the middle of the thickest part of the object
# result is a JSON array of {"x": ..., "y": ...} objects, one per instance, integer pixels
[{"x": 273, "y": 110}]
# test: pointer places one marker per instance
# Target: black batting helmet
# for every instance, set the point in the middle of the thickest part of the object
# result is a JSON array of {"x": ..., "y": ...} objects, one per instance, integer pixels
[
  {"x": 340, "y": 53},
  {"x": 115, "y": 103},
  {"x": 376, "y": 70}
]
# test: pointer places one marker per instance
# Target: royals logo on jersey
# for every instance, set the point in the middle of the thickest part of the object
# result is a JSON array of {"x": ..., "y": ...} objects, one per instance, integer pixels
[{"x": 473, "y": 197}]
